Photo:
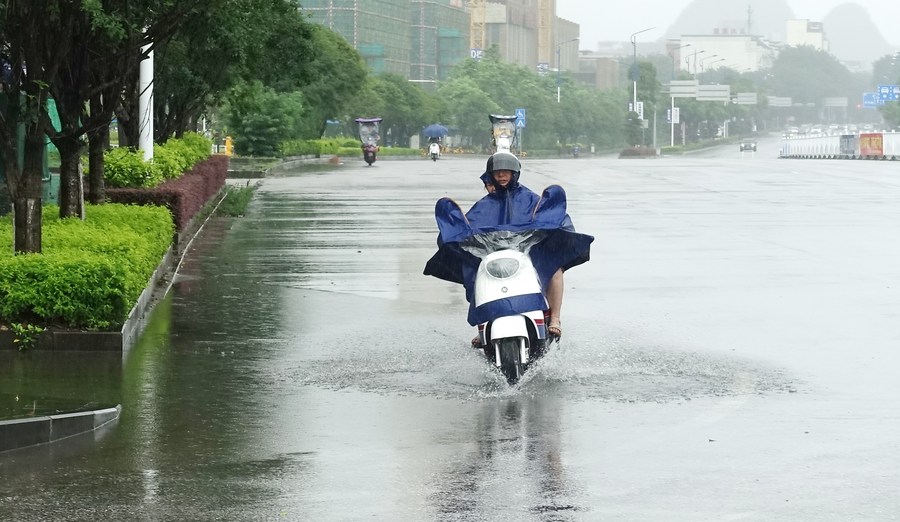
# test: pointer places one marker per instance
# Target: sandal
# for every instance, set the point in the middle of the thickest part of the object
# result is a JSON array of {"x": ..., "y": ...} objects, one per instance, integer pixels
[{"x": 554, "y": 330}]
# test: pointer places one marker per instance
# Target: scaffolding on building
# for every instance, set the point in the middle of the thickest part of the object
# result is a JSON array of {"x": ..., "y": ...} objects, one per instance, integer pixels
[
  {"x": 546, "y": 16},
  {"x": 439, "y": 39},
  {"x": 478, "y": 25},
  {"x": 378, "y": 29}
]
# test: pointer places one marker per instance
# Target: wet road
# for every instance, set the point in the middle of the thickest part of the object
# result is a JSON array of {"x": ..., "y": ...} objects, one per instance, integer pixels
[{"x": 730, "y": 353}]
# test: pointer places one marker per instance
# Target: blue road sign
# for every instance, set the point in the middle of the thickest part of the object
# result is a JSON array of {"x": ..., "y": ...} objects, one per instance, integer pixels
[
  {"x": 870, "y": 100},
  {"x": 888, "y": 93},
  {"x": 520, "y": 123},
  {"x": 520, "y": 114}
]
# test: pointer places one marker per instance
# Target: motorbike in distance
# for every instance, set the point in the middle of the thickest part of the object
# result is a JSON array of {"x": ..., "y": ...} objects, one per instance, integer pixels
[
  {"x": 434, "y": 151},
  {"x": 369, "y": 137},
  {"x": 503, "y": 132}
]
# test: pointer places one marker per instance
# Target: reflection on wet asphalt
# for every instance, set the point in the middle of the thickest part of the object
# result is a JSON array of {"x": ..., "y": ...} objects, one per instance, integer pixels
[{"x": 302, "y": 368}]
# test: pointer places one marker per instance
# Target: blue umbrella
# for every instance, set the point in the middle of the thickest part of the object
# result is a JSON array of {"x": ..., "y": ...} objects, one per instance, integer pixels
[{"x": 435, "y": 131}]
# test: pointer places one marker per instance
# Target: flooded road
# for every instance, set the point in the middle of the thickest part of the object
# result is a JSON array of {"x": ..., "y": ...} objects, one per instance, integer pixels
[{"x": 728, "y": 354}]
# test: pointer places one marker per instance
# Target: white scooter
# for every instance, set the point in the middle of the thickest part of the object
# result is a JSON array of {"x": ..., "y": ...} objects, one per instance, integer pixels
[{"x": 508, "y": 284}]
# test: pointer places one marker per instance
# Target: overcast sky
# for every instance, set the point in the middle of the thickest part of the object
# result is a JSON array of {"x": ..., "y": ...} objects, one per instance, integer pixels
[{"x": 609, "y": 19}]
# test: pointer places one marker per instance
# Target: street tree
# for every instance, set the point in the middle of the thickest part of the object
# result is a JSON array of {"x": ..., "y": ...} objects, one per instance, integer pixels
[
  {"x": 339, "y": 75},
  {"x": 103, "y": 47},
  {"x": 471, "y": 109},
  {"x": 266, "y": 41}
]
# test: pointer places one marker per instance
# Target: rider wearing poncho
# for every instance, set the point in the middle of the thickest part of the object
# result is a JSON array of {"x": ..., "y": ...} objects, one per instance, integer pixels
[{"x": 509, "y": 207}]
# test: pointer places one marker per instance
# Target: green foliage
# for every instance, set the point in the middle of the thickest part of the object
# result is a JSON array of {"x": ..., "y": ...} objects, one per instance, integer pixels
[
  {"x": 340, "y": 71},
  {"x": 26, "y": 335},
  {"x": 125, "y": 167},
  {"x": 349, "y": 152},
  {"x": 236, "y": 200},
  {"x": 808, "y": 75},
  {"x": 317, "y": 147},
  {"x": 405, "y": 107},
  {"x": 168, "y": 161},
  {"x": 236, "y": 41},
  {"x": 193, "y": 146},
  {"x": 90, "y": 273},
  {"x": 260, "y": 118}
]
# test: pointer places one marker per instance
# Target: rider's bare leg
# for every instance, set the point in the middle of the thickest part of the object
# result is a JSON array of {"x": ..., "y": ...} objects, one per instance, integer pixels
[{"x": 554, "y": 300}]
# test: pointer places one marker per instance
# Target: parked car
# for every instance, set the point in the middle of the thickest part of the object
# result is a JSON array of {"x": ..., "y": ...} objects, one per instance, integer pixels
[{"x": 748, "y": 145}]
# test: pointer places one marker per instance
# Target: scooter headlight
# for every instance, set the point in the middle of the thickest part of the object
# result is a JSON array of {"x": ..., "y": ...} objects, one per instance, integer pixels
[{"x": 503, "y": 268}]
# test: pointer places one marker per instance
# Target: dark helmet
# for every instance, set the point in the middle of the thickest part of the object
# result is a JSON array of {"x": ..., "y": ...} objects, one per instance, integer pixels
[{"x": 503, "y": 161}]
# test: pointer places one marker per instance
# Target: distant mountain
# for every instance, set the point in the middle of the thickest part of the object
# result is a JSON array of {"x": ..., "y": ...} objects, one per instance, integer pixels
[
  {"x": 760, "y": 17},
  {"x": 851, "y": 33}
]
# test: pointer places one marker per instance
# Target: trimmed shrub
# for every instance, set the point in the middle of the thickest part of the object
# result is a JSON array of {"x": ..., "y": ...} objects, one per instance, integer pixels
[
  {"x": 317, "y": 148},
  {"x": 638, "y": 152},
  {"x": 125, "y": 167},
  {"x": 184, "y": 196},
  {"x": 90, "y": 273}
]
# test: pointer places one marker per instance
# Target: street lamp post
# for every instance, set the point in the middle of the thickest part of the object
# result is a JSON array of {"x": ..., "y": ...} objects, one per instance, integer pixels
[
  {"x": 696, "y": 52},
  {"x": 634, "y": 72},
  {"x": 716, "y": 61},
  {"x": 672, "y": 56},
  {"x": 704, "y": 59},
  {"x": 559, "y": 65},
  {"x": 672, "y": 106}
]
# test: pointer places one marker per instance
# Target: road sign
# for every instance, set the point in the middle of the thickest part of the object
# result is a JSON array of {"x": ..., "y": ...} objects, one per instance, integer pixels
[
  {"x": 683, "y": 88},
  {"x": 888, "y": 93},
  {"x": 714, "y": 93},
  {"x": 746, "y": 98},
  {"x": 780, "y": 101},
  {"x": 870, "y": 100},
  {"x": 543, "y": 68},
  {"x": 476, "y": 53},
  {"x": 520, "y": 118},
  {"x": 640, "y": 110},
  {"x": 673, "y": 115}
]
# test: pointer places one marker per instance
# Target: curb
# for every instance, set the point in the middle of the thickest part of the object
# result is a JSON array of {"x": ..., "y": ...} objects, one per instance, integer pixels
[{"x": 21, "y": 433}]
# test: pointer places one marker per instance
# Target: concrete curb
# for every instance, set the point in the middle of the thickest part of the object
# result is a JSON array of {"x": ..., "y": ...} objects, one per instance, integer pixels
[{"x": 21, "y": 433}]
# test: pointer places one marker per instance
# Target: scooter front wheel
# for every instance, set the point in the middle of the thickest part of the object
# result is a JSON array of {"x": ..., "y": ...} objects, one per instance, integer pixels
[{"x": 508, "y": 352}]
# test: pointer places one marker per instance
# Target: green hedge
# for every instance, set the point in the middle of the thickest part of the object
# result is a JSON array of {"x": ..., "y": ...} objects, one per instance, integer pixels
[
  {"x": 90, "y": 273},
  {"x": 383, "y": 151},
  {"x": 317, "y": 147},
  {"x": 125, "y": 167}
]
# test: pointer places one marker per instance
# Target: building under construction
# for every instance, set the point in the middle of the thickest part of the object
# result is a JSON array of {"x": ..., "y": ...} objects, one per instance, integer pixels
[
  {"x": 417, "y": 39},
  {"x": 423, "y": 39},
  {"x": 439, "y": 39}
]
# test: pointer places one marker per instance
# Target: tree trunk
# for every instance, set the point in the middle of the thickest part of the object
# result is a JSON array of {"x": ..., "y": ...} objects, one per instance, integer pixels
[
  {"x": 71, "y": 187},
  {"x": 127, "y": 114},
  {"x": 98, "y": 142},
  {"x": 27, "y": 203}
]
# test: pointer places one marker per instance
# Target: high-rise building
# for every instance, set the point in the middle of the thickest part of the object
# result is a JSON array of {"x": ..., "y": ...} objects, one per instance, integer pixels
[
  {"x": 439, "y": 38},
  {"x": 423, "y": 39},
  {"x": 417, "y": 39}
]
